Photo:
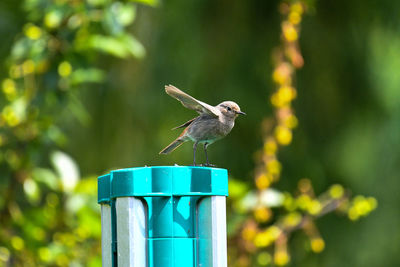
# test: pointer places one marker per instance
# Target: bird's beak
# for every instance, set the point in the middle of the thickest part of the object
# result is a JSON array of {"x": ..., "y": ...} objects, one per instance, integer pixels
[{"x": 240, "y": 112}]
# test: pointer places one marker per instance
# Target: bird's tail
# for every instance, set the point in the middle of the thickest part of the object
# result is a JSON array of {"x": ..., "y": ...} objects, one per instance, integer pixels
[{"x": 171, "y": 147}]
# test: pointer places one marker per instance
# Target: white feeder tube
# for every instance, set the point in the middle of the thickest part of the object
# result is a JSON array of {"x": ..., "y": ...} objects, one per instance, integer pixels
[
  {"x": 106, "y": 239},
  {"x": 212, "y": 242},
  {"x": 131, "y": 232}
]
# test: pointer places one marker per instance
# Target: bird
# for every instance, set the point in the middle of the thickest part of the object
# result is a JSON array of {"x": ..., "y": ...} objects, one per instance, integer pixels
[{"x": 212, "y": 124}]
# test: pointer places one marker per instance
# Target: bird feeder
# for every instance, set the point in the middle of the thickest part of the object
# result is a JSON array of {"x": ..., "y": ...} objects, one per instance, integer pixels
[{"x": 164, "y": 216}]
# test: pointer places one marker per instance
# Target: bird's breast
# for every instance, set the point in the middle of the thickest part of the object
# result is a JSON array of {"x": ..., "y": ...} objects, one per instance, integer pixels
[{"x": 206, "y": 128}]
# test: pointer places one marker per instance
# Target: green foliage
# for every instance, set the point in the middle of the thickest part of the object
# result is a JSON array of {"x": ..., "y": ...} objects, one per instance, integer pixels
[
  {"x": 49, "y": 213},
  {"x": 272, "y": 216}
]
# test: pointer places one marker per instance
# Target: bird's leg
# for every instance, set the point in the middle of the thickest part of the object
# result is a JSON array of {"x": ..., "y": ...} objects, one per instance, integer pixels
[
  {"x": 194, "y": 153},
  {"x": 205, "y": 151}
]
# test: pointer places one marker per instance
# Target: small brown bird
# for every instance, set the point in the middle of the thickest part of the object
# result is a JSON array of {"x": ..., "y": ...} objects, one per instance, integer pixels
[{"x": 213, "y": 123}]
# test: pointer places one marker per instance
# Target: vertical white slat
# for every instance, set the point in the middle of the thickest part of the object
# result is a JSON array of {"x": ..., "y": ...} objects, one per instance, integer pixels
[
  {"x": 219, "y": 243},
  {"x": 204, "y": 233},
  {"x": 106, "y": 253},
  {"x": 212, "y": 250},
  {"x": 131, "y": 232}
]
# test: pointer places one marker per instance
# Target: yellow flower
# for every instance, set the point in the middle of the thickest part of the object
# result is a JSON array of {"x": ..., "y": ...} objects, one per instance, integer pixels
[
  {"x": 10, "y": 117},
  {"x": 64, "y": 69},
  {"x": 361, "y": 206},
  {"x": 276, "y": 101},
  {"x": 353, "y": 214},
  {"x": 283, "y": 135},
  {"x": 289, "y": 32},
  {"x": 33, "y": 32},
  {"x": 281, "y": 74},
  {"x": 303, "y": 201},
  {"x": 373, "y": 203},
  {"x": 270, "y": 146},
  {"x": 249, "y": 233},
  {"x": 274, "y": 167},
  {"x": 297, "y": 7},
  {"x": 274, "y": 232},
  {"x": 281, "y": 258},
  {"x": 279, "y": 77},
  {"x": 44, "y": 254},
  {"x": 314, "y": 207},
  {"x": 9, "y": 89},
  {"x": 317, "y": 245},
  {"x": 283, "y": 96},
  {"x": 17, "y": 243},
  {"x": 291, "y": 121},
  {"x": 262, "y": 214},
  {"x": 262, "y": 239},
  {"x": 294, "y": 17},
  {"x": 288, "y": 93},
  {"x": 292, "y": 219},
  {"x": 263, "y": 181},
  {"x": 28, "y": 67},
  {"x": 336, "y": 191},
  {"x": 289, "y": 202}
]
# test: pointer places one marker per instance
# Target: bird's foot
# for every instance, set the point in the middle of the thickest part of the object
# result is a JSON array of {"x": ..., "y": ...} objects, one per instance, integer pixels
[{"x": 208, "y": 165}]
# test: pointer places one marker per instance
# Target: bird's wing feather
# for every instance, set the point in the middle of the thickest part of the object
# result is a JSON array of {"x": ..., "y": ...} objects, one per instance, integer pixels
[
  {"x": 185, "y": 124},
  {"x": 191, "y": 102}
]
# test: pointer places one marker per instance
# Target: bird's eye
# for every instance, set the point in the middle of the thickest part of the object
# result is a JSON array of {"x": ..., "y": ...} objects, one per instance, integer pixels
[{"x": 228, "y": 108}]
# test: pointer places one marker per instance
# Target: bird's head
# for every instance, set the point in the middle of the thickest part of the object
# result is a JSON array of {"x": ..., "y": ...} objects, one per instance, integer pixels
[{"x": 230, "y": 109}]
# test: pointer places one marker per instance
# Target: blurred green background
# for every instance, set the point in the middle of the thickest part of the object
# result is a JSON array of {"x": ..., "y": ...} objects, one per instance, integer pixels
[{"x": 348, "y": 107}]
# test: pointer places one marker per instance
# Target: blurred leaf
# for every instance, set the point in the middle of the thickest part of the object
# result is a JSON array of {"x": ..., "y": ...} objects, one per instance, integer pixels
[
  {"x": 53, "y": 18},
  {"x": 95, "y": 261},
  {"x": 56, "y": 135},
  {"x": 32, "y": 191},
  {"x": 79, "y": 111},
  {"x": 147, "y": 2},
  {"x": 117, "y": 16},
  {"x": 20, "y": 49},
  {"x": 54, "y": 55},
  {"x": 91, "y": 75},
  {"x": 135, "y": 48},
  {"x": 125, "y": 13},
  {"x": 272, "y": 198},
  {"x": 66, "y": 169},
  {"x": 47, "y": 177},
  {"x": 237, "y": 188},
  {"x": 97, "y": 2},
  {"x": 87, "y": 186},
  {"x": 248, "y": 202},
  {"x": 38, "y": 48},
  {"x": 108, "y": 45},
  {"x": 384, "y": 66},
  {"x": 122, "y": 46},
  {"x": 88, "y": 219},
  {"x": 75, "y": 203},
  {"x": 4, "y": 254}
]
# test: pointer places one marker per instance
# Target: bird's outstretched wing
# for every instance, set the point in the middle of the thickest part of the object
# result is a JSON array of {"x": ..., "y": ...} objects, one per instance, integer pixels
[
  {"x": 185, "y": 124},
  {"x": 191, "y": 102}
]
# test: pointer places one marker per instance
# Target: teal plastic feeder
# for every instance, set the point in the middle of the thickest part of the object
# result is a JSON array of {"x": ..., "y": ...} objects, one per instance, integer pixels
[{"x": 164, "y": 216}]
